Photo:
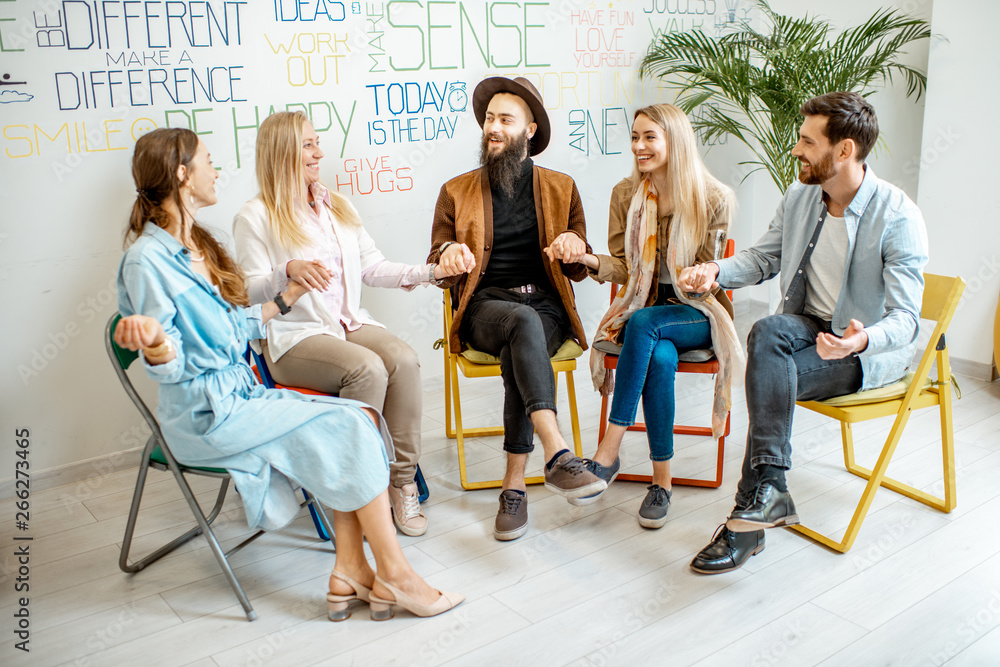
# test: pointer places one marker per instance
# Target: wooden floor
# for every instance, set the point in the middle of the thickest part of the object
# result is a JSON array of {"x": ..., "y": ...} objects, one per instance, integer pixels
[{"x": 584, "y": 586}]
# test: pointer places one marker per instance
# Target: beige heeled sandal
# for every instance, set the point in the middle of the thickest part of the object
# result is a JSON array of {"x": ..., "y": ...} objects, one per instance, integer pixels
[
  {"x": 337, "y": 605},
  {"x": 381, "y": 610}
]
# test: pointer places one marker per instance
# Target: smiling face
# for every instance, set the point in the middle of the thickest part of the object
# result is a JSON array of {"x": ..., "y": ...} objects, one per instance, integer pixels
[
  {"x": 508, "y": 118},
  {"x": 311, "y": 154},
  {"x": 815, "y": 152},
  {"x": 649, "y": 145},
  {"x": 199, "y": 179}
]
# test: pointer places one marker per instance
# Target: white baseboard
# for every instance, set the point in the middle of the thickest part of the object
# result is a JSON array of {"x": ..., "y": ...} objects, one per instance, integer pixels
[
  {"x": 80, "y": 471},
  {"x": 973, "y": 369}
]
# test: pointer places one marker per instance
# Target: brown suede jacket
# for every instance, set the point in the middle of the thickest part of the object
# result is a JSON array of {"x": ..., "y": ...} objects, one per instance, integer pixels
[{"x": 464, "y": 214}]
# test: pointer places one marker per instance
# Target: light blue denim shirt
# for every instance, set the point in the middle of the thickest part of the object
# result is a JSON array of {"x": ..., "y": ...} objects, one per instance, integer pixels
[
  {"x": 883, "y": 281},
  {"x": 213, "y": 412}
]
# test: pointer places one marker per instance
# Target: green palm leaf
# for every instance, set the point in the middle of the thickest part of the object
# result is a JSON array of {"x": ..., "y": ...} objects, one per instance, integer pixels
[{"x": 750, "y": 84}]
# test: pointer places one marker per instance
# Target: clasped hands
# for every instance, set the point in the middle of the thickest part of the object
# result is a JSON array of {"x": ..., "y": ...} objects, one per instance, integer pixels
[
  {"x": 456, "y": 259},
  {"x": 567, "y": 247}
]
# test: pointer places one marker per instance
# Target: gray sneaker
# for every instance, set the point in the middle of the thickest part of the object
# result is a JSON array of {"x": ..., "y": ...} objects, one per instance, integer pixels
[
  {"x": 570, "y": 477},
  {"x": 512, "y": 518},
  {"x": 653, "y": 512},
  {"x": 608, "y": 474}
]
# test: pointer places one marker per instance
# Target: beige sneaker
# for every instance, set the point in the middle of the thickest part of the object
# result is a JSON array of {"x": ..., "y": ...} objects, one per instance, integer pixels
[{"x": 406, "y": 513}]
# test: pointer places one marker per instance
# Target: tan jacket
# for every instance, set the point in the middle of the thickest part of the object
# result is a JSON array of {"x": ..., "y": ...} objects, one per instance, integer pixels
[
  {"x": 615, "y": 268},
  {"x": 464, "y": 214}
]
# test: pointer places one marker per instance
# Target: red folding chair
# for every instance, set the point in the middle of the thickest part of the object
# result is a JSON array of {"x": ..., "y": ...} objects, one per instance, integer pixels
[{"x": 709, "y": 367}]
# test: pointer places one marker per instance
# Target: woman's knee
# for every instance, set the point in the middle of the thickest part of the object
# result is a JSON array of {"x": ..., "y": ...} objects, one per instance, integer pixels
[
  {"x": 367, "y": 369},
  {"x": 664, "y": 359},
  {"x": 402, "y": 358},
  {"x": 642, "y": 321}
]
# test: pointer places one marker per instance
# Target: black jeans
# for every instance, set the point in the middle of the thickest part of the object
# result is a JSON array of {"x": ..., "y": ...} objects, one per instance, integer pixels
[
  {"x": 782, "y": 367},
  {"x": 524, "y": 330}
]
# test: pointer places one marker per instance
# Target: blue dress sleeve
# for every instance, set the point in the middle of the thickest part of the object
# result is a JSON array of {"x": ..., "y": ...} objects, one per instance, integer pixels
[
  {"x": 251, "y": 321},
  {"x": 141, "y": 292}
]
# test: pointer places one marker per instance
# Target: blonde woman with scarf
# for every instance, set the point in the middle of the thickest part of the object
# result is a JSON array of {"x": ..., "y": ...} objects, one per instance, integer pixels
[
  {"x": 670, "y": 214},
  {"x": 296, "y": 230}
]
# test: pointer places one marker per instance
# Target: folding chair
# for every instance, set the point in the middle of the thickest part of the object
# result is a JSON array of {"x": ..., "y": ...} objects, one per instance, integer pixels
[
  {"x": 917, "y": 390},
  {"x": 475, "y": 364},
  {"x": 710, "y": 366},
  {"x": 156, "y": 454},
  {"x": 264, "y": 376}
]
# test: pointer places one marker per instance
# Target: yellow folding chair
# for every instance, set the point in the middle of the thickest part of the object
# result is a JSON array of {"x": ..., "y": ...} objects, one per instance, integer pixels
[
  {"x": 475, "y": 364},
  {"x": 916, "y": 391}
]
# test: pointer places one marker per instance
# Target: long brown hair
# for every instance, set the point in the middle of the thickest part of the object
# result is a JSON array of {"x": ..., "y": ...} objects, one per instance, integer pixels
[
  {"x": 155, "y": 165},
  {"x": 281, "y": 180}
]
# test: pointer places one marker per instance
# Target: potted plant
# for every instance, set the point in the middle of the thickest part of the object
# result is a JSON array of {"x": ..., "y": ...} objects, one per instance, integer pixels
[{"x": 750, "y": 84}]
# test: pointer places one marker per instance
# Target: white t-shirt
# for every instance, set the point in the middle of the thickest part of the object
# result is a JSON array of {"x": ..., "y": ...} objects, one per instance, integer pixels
[{"x": 825, "y": 270}]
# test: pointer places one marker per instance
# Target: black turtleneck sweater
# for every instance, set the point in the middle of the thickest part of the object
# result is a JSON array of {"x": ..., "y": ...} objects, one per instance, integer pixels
[{"x": 515, "y": 259}]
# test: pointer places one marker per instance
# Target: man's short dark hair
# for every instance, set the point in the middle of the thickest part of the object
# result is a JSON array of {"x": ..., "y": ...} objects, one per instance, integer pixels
[{"x": 849, "y": 116}]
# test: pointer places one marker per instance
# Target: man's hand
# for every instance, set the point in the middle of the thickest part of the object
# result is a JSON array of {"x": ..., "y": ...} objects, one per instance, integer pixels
[
  {"x": 854, "y": 340},
  {"x": 699, "y": 278},
  {"x": 456, "y": 259},
  {"x": 309, "y": 274},
  {"x": 568, "y": 247}
]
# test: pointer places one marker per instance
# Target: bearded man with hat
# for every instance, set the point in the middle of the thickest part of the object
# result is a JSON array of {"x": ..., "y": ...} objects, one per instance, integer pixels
[{"x": 514, "y": 233}]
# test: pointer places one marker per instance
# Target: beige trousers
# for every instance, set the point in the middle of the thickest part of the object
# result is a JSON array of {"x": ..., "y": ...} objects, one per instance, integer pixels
[{"x": 372, "y": 366}]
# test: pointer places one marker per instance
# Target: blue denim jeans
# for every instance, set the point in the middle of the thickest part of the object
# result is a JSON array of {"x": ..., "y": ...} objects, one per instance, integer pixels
[
  {"x": 782, "y": 367},
  {"x": 524, "y": 330},
  {"x": 654, "y": 336}
]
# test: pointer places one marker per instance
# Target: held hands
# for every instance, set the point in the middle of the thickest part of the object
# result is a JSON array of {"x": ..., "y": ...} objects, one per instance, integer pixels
[
  {"x": 139, "y": 332},
  {"x": 456, "y": 259},
  {"x": 294, "y": 291},
  {"x": 699, "y": 278},
  {"x": 568, "y": 247},
  {"x": 854, "y": 340},
  {"x": 310, "y": 274}
]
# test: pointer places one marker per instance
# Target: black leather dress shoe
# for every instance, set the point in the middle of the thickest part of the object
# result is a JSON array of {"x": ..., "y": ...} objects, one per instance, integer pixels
[
  {"x": 770, "y": 508},
  {"x": 728, "y": 551}
]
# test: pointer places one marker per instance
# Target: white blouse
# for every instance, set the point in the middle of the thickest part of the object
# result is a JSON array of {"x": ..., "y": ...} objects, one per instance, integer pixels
[{"x": 346, "y": 250}]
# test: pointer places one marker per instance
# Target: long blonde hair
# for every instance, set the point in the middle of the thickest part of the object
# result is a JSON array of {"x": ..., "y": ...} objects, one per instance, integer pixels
[
  {"x": 696, "y": 197},
  {"x": 155, "y": 163},
  {"x": 281, "y": 180}
]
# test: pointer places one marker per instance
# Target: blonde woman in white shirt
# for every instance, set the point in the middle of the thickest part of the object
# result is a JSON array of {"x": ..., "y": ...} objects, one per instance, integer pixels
[{"x": 297, "y": 229}]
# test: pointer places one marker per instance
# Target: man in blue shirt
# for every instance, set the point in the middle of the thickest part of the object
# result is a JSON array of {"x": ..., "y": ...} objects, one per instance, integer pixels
[{"x": 850, "y": 249}]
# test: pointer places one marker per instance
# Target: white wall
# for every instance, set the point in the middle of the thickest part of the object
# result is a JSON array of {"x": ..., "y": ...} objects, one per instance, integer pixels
[
  {"x": 67, "y": 200},
  {"x": 958, "y": 193}
]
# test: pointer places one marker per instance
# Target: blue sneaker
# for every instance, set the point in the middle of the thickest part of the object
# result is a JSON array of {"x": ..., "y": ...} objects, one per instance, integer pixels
[{"x": 607, "y": 474}]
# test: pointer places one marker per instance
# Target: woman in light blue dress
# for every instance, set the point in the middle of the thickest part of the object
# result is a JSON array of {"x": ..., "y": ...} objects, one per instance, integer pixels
[{"x": 185, "y": 309}]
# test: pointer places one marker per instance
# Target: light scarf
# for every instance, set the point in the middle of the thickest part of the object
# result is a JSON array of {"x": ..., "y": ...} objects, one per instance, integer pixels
[{"x": 641, "y": 232}]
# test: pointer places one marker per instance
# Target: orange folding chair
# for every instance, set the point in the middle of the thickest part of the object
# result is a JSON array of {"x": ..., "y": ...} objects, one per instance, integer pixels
[{"x": 710, "y": 367}]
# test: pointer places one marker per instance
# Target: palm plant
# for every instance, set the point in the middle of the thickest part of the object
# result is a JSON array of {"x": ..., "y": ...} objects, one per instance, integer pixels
[{"x": 751, "y": 84}]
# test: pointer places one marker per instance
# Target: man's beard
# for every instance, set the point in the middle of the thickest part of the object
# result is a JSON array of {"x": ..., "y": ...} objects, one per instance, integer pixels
[
  {"x": 504, "y": 167},
  {"x": 819, "y": 172}
]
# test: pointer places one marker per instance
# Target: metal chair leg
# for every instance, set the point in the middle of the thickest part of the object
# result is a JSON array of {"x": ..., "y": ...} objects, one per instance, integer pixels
[{"x": 206, "y": 529}]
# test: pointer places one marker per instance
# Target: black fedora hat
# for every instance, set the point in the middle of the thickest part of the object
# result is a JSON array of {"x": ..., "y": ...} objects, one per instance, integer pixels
[{"x": 524, "y": 89}]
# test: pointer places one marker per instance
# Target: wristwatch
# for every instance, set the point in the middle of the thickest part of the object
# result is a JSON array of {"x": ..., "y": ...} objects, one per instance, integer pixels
[
  {"x": 431, "y": 278},
  {"x": 444, "y": 247},
  {"x": 283, "y": 307}
]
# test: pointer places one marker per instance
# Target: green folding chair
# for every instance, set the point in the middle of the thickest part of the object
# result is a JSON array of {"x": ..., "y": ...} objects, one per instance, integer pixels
[{"x": 156, "y": 454}]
